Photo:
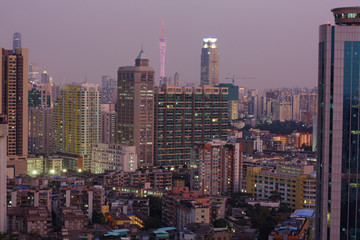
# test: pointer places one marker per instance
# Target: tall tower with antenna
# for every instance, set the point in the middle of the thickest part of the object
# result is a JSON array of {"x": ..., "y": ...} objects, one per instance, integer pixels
[{"x": 162, "y": 51}]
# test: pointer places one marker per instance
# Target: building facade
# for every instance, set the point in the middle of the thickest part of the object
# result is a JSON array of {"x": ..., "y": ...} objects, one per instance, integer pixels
[
  {"x": 338, "y": 216},
  {"x": 217, "y": 167},
  {"x": 14, "y": 103},
  {"x": 135, "y": 108},
  {"x": 185, "y": 116},
  {"x": 113, "y": 157},
  {"x": 108, "y": 90},
  {"x": 209, "y": 62},
  {"x": 77, "y": 121}
]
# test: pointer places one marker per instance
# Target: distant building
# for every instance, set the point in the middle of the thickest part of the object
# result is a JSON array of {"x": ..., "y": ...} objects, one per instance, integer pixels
[
  {"x": 45, "y": 78},
  {"x": 135, "y": 109},
  {"x": 108, "y": 90},
  {"x": 177, "y": 79},
  {"x": 34, "y": 74},
  {"x": 16, "y": 41},
  {"x": 108, "y": 123},
  {"x": 209, "y": 62}
]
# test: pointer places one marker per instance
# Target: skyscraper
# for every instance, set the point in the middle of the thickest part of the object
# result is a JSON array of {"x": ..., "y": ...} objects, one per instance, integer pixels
[
  {"x": 135, "y": 108},
  {"x": 338, "y": 189},
  {"x": 45, "y": 78},
  {"x": 209, "y": 62},
  {"x": 13, "y": 103},
  {"x": 77, "y": 121},
  {"x": 16, "y": 41},
  {"x": 162, "y": 51}
]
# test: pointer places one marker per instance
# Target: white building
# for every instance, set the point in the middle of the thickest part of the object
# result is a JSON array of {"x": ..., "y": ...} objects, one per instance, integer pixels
[{"x": 113, "y": 157}]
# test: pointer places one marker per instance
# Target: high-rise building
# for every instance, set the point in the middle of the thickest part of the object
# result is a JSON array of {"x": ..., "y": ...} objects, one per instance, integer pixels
[
  {"x": 77, "y": 121},
  {"x": 162, "y": 44},
  {"x": 16, "y": 41},
  {"x": 177, "y": 79},
  {"x": 107, "y": 123},
  {"x": 13, "y": 103},
  {"x": 108, "y": 90},
  {"x": 217, "y": 166},
  {"x": 185, "y": 116},
  {"x": 45, "y": 78},
  {"x": 338, "y": 198},
  {"x": 34, "y": 73},
  {"x": 209, "y": 62},
  {"x": 135, "y": 108},
  {"x": 295, "y": 104},
  {"x": 40, "y": 130},
  {"x": 3, "y": 189}
]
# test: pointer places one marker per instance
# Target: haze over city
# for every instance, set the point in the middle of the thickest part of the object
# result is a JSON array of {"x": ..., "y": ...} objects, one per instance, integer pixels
[{"x": 272, "y": 41}]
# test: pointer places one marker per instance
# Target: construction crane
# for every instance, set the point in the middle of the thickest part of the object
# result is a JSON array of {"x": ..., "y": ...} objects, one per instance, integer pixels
[{"x": 238, "y": 78}]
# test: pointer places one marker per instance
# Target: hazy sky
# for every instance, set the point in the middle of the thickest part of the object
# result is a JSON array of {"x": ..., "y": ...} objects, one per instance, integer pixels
[{"x": 274, "y": 41}]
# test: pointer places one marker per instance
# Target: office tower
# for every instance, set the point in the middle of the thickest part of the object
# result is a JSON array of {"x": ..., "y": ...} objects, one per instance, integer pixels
[
  {"x": 45, "y": 78},
  {"x": 135, "y": 108},
  {"x": 233, "y": 98},
  {"x": 209, "y": 62},
  {"x": 185, "y": 116},
  {"x": 338, "y": 198},
  {"x": 13, "y": 103},
  {"x": 3, "y": 189},
  {"x": 162, "y": 44},
  {"x": 107, "y": 123},
  {"x": 34, "y": 73},
  {"x": 217, "y": 167},
  {"x": 77, "y": 121},
  {"x": 177, "y": 79},
  {"x": 108, "y": 90},
  {"x": 16, "y": 41}
]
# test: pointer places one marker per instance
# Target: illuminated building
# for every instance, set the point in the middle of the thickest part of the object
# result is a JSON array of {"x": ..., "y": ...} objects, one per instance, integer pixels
[
  {"x": 185, "y": 116},
  {"x": 77, "y": 121},
  {"x": 14, "y": 103},
  {"x": 296, "y": 190},
  {"x": 209, "y": 62},
  {"x": 338, "y": 215},
  {"x": 135, "y": 108}
]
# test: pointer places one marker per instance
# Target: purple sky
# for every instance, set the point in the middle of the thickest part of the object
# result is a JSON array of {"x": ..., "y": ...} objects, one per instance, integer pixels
[{"x": 274, "y": 41}]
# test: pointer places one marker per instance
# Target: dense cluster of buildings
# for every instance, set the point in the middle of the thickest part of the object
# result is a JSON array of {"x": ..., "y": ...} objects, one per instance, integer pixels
[{"x": 95, "y": 157}]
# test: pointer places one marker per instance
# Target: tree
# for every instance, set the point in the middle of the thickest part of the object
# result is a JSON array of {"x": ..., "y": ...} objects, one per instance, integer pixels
[
  {"x": 220, "y": 223},
  {"x": 275, "y": 196}
]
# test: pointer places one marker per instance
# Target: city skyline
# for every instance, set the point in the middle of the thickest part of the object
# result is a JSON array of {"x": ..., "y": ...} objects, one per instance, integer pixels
[{"x": 291, "y": 38}]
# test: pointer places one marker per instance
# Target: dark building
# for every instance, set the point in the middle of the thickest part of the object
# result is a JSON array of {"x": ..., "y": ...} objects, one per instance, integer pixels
[{"x": 135, "y": 108}]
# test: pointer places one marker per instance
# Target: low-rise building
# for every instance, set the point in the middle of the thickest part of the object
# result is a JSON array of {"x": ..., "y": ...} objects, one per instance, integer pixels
[{"x": 113, "y": 157}]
